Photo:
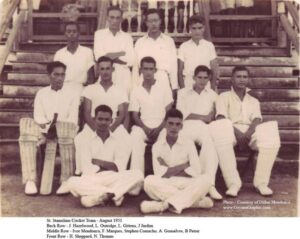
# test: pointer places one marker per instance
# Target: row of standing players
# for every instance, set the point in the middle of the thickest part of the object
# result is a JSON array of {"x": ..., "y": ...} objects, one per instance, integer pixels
[{"x": 104, "y": 146}]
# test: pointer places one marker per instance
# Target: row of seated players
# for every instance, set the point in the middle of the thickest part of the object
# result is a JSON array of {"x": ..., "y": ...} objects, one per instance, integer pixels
[{"x": 215, "y": 122}]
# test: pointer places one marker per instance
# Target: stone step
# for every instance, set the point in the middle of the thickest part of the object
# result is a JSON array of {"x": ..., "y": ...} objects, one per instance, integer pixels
[
  {"x": 10, "y": 89},
  {"x": 261, "y": 71},
  {"x": 284, "y": 121},
  {"x": 16, "y": 102},
  {"x": 13, "y": 117}
]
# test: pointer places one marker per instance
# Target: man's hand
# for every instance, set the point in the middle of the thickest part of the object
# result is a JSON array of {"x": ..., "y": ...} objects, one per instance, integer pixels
[
  {"x": 154, "y": 133},
  {"x": 115, "y": 55},
  {"x": 162, "y": 162},
  {"x": 147, "y": 131},
  {"x": 242, "y": 139}
]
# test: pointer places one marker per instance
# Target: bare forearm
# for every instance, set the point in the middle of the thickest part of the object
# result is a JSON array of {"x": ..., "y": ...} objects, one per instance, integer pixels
[
  {"x": 105, "y": 165},
  {"x": 175, "y": 171}
]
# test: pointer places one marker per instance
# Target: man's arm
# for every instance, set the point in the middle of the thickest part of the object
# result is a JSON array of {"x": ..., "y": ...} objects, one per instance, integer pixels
[
  {"x": 137, "y": 120},
  {"x": 105, "y": 165},
  {"x": 205, "y": 118},
  {"x": 180, "y": 73},
  {"x": 91, "y": 76},
  {"x": 87, "y": 109},
  {"x": 252, "y": 128},
  {"x": 122, "y": 111},
  {"x": 177, "y": 170}
]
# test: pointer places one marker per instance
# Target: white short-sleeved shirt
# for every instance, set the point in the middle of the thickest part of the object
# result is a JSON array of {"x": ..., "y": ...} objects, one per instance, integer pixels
[
  {"x": 194, "y": 55},
  {"x": 189, "y": 101},
  {"x": 239, "y": 112},
  {"x": 105, "y": 42},
  {"x": 113, "y": 97},
  {"x": 77, "y": 64},
  {"x": 163, "y": 50},
  {"x": 47, "y": 102},
  {"x": 111, "y": 151},
  {"x": 182, "y": 151},
  {"x": 152, "y": 106}
]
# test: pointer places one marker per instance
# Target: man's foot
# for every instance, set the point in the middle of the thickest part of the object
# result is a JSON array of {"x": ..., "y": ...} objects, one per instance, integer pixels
[
  {"x": 214, "y": 194},
  {"x": 205, "y": 202},
  {"x": 153, "y": 206},
  {"x": 233, "y": 191},
  {"x": 93, "y": 200},
  {"x": 30, "y": 188},
  {"x": 63, "y": 189},
  {"x": 264, "y": 190}
]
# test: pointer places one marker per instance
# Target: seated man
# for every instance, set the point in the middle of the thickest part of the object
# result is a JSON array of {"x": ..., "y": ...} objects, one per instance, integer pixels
[
  {"x": 103, "y": 92},
  {"x": 148, "y": 104},
  {"x": 177, "y": 182},
  {"x": 105, "y": 176},
  {"x": 239, "y": 121},
  {"x": 55, "y": 112},
  {"x": 198, "y": 107}
]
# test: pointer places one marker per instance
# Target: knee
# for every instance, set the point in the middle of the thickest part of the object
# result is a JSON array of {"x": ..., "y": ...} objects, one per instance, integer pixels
[
  {"x": 149, "y": 182},
  {"x": 267, "y": 135}
]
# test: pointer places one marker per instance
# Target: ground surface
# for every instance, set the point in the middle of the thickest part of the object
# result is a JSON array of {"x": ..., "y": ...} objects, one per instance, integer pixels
[{"x": 283, "y": 203}]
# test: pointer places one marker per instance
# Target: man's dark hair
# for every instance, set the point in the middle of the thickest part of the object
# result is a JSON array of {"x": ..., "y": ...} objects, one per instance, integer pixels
[
  {"x": 103, "y": 108},
  {"x": 105, "y": 59},
  {"x": 202, "y": 68},
  {"x": 240, "y": 68},
  {"x": 174, "y": 113},
  {"x": 148, "y": 59},
  {"x": 152, "y": 11},
  {"x": 114, "y": 8},
  {"x": 196, "y": 19},
  {"x": 55, "y": 64},
  {"x": 71, "y": 23}
]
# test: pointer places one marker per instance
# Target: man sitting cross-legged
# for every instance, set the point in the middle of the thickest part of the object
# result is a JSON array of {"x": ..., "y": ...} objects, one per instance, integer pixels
[
  {"x": 177, "y": 182},
  {"x": 105, "y": 176}
]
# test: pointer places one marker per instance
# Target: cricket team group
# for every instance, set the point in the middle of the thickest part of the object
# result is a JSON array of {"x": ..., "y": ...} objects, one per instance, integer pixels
[{"x": 134, "y": 95}]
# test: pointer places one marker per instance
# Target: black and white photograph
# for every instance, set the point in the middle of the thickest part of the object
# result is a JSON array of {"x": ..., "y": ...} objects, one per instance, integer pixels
[{"x": 148, "y": 109}]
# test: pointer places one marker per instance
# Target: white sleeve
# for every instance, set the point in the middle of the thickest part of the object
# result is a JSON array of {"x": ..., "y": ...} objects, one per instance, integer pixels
[
  {"x": 213, "y": 54},
  {"x": 174, "y": 68},
  {"x": 256, "y": 112},
  {"x": 181, "y": 103},
  {"x": 89, "y": 59},
  {"x": 194, "y": 169},
  {"x": 129, "y": 55},
  {"x": 39, "y": 113},
  {"x": 181, "y": 52},
  {"x": 134, "y": 104},
  {"x": 98, "y": 46},
  {"x": 222, "y": 105},
  {"x": 87, "y": 92}
]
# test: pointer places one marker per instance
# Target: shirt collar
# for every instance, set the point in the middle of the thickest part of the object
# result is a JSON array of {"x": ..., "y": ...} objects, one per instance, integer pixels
[
  {"x": 111, "y": 136},
  {"x": 200, "y": 42},
  {"x": 178, "y": 141},
  {"x": 236, "y": 96},
  {"x": 161, "y": 35},
  {"x": 117, "y": 33},
  {"x": 66, "y": 49}
]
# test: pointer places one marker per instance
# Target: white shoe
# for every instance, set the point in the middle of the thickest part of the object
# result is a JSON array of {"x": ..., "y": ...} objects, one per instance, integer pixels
[
  {"x": 233, "y": 191},
  {"x": 118, "y": 201},
  {"x": 63, "y": 189},
  {"x": 93, "y": 200},
  {"x": 153, "y": 206},
  {"x": 30, "y": 188},
  {"x": 214, "y": 194},
  {"x": 264, "y": 190},
  {"x": 205, "y": 202}
]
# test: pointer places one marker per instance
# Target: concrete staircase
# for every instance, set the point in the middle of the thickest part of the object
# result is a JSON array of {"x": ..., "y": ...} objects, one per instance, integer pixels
[{"x": 274, "y": 84}]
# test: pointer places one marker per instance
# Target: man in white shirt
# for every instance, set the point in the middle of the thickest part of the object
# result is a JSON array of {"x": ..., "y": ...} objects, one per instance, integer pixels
[
  {"x": 194, "y": 52},
  {"x": 105, "y": 176},
  {"x": 102, "y": 92},
  {"x": 149, "y": 103},
  {"x": 112, "y": 42},
  {"x": 177, "y": 182},
  {"x": 78, "y": 59},
  {"x": 54, "y": 105},
  {"x": 159, "y": 46},
  {"x": 198, "y": 107},
  {"x": 239, "y": 121}
]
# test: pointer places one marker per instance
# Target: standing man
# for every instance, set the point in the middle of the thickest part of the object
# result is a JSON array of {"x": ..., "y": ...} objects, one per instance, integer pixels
[
  {"x": 55, "y": 111},
  {"x": 177, "y": 182},
  {"x": 160, "y": 47},
  {"x": 239, "y": 121},
  {"x": 106, "y": 159},
  {"x": 194, "y": 52},
  {"x": 198, "y": 107},
  {"x": 149, "y": 103},
  {"x": 102, "y": 92},
  {"x": 117, "y": 45},
  {"x": 78, "y": 59}
]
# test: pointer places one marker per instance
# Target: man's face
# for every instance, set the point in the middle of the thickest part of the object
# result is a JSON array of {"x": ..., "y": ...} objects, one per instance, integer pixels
[
  {"x": 57, "y": 77},
  {"x": 148, "y": 70},
  {"x": 153, "y": 22},
  {"x": 201, "y": 80},
  {"x": 173, "y": 126},
  {"x": 103, "y": 121},
  {"x": 197, "y": 31},
  {"x": 72, "y": 33},
  {"x": 114, "y": 19},
  {"x": 105, "y": 70},
  {"x": 240, "y": 80}
]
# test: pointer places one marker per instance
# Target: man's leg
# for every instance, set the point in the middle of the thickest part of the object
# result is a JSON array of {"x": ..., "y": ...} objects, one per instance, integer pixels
[
  {"x": 138, "y": 138},
  {"x": 199, "y": 132},
  {"x": 29, "y": 133},
  {"x": 66, "y": 133},
  {"x": 266, "y": 138},
  {"x": 223, "y": 137}
]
